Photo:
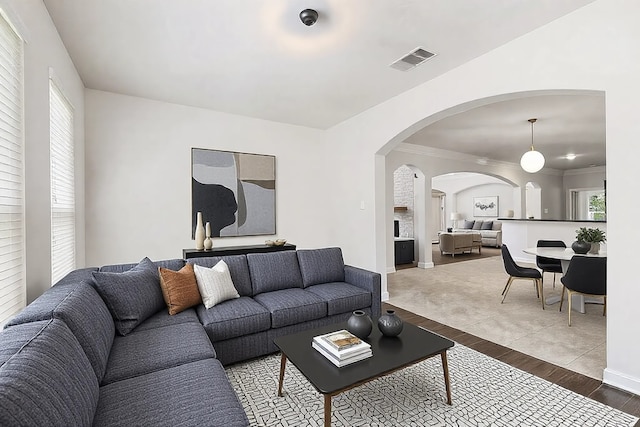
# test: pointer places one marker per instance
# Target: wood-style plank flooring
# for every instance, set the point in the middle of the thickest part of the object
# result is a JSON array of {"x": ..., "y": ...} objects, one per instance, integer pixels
[{"x": 570, "y": 380}]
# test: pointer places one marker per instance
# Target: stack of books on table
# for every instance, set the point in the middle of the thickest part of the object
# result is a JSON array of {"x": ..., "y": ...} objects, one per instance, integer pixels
[{"x": 341, "y": 347}]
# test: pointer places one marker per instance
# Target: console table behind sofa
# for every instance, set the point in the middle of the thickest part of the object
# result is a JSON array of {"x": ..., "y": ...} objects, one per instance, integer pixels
[{"x": 236, "y": 250}]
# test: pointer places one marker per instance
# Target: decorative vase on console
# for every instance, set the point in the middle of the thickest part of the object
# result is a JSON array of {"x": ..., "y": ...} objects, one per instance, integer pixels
[
  {"x": 389, "y": 324},
  {"x": 360, "y": 324},
  {"x": 199, "y": 234},
  {"x": 208, "y": 242}
]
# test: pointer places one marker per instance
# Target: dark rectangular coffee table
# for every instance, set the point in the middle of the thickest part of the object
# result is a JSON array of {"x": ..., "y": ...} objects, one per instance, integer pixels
[{"x": 413, "y": 345}]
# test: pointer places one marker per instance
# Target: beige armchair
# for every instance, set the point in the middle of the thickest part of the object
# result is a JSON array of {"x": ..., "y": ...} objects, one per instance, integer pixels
[{"x": 456, "y": 243}]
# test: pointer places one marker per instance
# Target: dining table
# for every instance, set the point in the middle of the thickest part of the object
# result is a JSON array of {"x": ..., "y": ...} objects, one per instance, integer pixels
[{"x": 565, "y": 255}]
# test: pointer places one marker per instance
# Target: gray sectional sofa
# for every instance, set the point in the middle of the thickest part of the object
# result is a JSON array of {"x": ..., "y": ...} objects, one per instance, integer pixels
[{"x": 65, "y": 361}]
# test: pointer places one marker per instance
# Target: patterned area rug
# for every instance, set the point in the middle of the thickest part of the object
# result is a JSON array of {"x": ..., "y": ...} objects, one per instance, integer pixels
[{"x": 485, "y": 392}]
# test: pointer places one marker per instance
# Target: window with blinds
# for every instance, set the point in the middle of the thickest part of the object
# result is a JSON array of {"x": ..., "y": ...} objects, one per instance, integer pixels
[
  {"x": 63, "y": 205},
  {"x": 12, "y": 275}
]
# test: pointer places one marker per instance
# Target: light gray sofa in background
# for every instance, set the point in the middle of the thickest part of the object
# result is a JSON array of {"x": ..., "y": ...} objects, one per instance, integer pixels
[
  {"x": 64, "y": 360},
  {"x": 491, "y": 230}
]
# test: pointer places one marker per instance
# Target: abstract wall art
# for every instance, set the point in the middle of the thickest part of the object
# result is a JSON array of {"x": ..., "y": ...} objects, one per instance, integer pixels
[
  {"x": 236, "y": 192},
  {"x": 485, "y": 206}
]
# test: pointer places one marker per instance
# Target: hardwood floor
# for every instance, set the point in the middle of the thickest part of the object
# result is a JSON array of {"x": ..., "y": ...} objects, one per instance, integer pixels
[{"x": 570, "y": 380}]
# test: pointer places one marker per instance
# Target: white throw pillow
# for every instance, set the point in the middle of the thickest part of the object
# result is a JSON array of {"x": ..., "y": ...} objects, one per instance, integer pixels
[{"x": 215, "y": 284}]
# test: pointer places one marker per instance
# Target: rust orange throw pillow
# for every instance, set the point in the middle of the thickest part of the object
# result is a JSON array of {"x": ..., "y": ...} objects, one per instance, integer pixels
[{"x": 179, "y": 288}]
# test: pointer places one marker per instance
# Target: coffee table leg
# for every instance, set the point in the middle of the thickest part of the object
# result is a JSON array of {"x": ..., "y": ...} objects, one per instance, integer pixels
[
  {"x": 283, "y": 364},
  {"x": 327, "y": 410},
  {"x": 445, "y": 368}
]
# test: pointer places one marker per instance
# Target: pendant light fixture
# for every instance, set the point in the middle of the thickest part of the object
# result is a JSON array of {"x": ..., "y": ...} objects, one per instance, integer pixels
[{"x": 532, "y": 161}]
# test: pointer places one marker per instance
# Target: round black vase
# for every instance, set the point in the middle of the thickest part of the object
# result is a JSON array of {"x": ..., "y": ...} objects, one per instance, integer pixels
[
  {"x": 581, "y": 247},
  {"x": 389, "y": 324},
  {"x": 360, "y": 324}
]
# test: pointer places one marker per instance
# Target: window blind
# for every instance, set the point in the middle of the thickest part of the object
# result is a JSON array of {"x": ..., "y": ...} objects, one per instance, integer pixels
[
  {"x": 12, "y": 281},
  {"x": 63, "y": 210}
]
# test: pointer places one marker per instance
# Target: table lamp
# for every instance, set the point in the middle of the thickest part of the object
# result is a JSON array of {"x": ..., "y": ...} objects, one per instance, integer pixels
[{"x": 455, "y": 217}]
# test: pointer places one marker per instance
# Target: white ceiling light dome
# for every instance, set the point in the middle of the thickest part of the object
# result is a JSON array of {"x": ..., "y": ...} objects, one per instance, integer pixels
[{"x": 532, "y": 161}]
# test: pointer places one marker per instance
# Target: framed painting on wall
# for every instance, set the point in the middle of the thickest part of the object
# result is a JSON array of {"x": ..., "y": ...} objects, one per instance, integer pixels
[
  {"x": 485, "y": 206},
  {"x": 236, "y": 192}
]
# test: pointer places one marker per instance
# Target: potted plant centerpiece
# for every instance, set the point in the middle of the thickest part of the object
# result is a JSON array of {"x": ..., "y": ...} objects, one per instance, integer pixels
[{"x": 588, "y": 240}]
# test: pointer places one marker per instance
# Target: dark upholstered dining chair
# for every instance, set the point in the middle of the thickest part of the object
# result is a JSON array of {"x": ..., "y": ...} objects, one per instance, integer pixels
[
  {"x": 517, "y": 272},
  {"x": 586, "y": 276},
  {"x": 550, "y": 265}
]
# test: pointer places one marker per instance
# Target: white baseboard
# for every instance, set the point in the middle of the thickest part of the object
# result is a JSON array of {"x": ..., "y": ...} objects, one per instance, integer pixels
[
  {"x": 425, "y": 265},
  {"x": 385, "y": 296},
  {"x": 391, "y": 270},
  {"x": 621, "y": 381}
]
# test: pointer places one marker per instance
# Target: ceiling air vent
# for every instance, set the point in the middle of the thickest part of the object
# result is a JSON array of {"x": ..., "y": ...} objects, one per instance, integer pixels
[{"x": 412, "y": 60}]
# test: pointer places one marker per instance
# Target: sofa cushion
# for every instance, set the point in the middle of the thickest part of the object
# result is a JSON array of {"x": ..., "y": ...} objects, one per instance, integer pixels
[
  {"x": 131, "y": 296},
  {"x": 341, "y": 297},
  {"x": 487, "y": 225},
  {"x": 86, "y": 315},
  {"x": 321, "y": 266},
  {"x": 42, "y": 307},
  {"x": 477, "y": 225},
  {"x": 83, "y": 311},
  {"x": 215, "y": 284},
  {"x": 141, "y": 352},
  {"x": 192, "y": 394},
  {"x": 163, "y": 318},
  {"x": 290, "y": 306},
  {"x": 179, "y": 288},
  {"x": 234, "y": 318},
  {"x": 171, "y": 264},
  {"x": 497, "y": 225},
  {"x": 468, "y": 224},
  {"x": 45, "y": 377},
  {"x": 238, "y": 268},
  {"x": 274, "y": 271}
]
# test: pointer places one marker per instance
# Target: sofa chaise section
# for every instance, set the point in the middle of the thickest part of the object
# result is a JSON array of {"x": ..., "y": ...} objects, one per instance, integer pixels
[
  {"x": 191, "y": 394},
  {"x": 94, "y": 364},
  {"x": 45, "y": 377},
  {"x": 123, "y": 369}
]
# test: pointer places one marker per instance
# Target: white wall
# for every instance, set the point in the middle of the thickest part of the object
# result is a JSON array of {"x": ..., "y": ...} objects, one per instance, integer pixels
[
  {"x": 555, "y": 58},
  {"x": 139, "y": 176},
  {"x": 464, "y": 199},
  {"x": 462, "y": 188},
  {"x": 44, "y": 49}
]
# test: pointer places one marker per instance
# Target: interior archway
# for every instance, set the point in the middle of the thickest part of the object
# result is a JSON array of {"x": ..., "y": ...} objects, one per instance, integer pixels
[{"x": 435, "y": 163}]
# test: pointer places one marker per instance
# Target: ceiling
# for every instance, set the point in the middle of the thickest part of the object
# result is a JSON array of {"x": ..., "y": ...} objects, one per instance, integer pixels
[
  {"x": 255, "y": 58},
  {"x": 501, "y": 131}
]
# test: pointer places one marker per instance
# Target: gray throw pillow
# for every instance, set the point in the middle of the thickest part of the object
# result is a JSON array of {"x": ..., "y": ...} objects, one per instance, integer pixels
[
  {"x": 132, "y": 296},
  {"x": 477, "y": 225},
  {"x": 487, "y": 225},
  {"x": 468, "y": 225}
]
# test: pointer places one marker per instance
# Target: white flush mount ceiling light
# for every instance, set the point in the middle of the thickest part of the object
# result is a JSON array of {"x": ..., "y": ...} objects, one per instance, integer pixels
[{"x": 532, "y": 161}]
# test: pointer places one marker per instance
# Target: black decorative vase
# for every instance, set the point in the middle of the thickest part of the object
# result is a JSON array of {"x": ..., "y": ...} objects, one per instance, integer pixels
[
  {"x": 581, "y": 247},
  {"x": 389, "y": 324},
  {"x": 360, "y": 324}
]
